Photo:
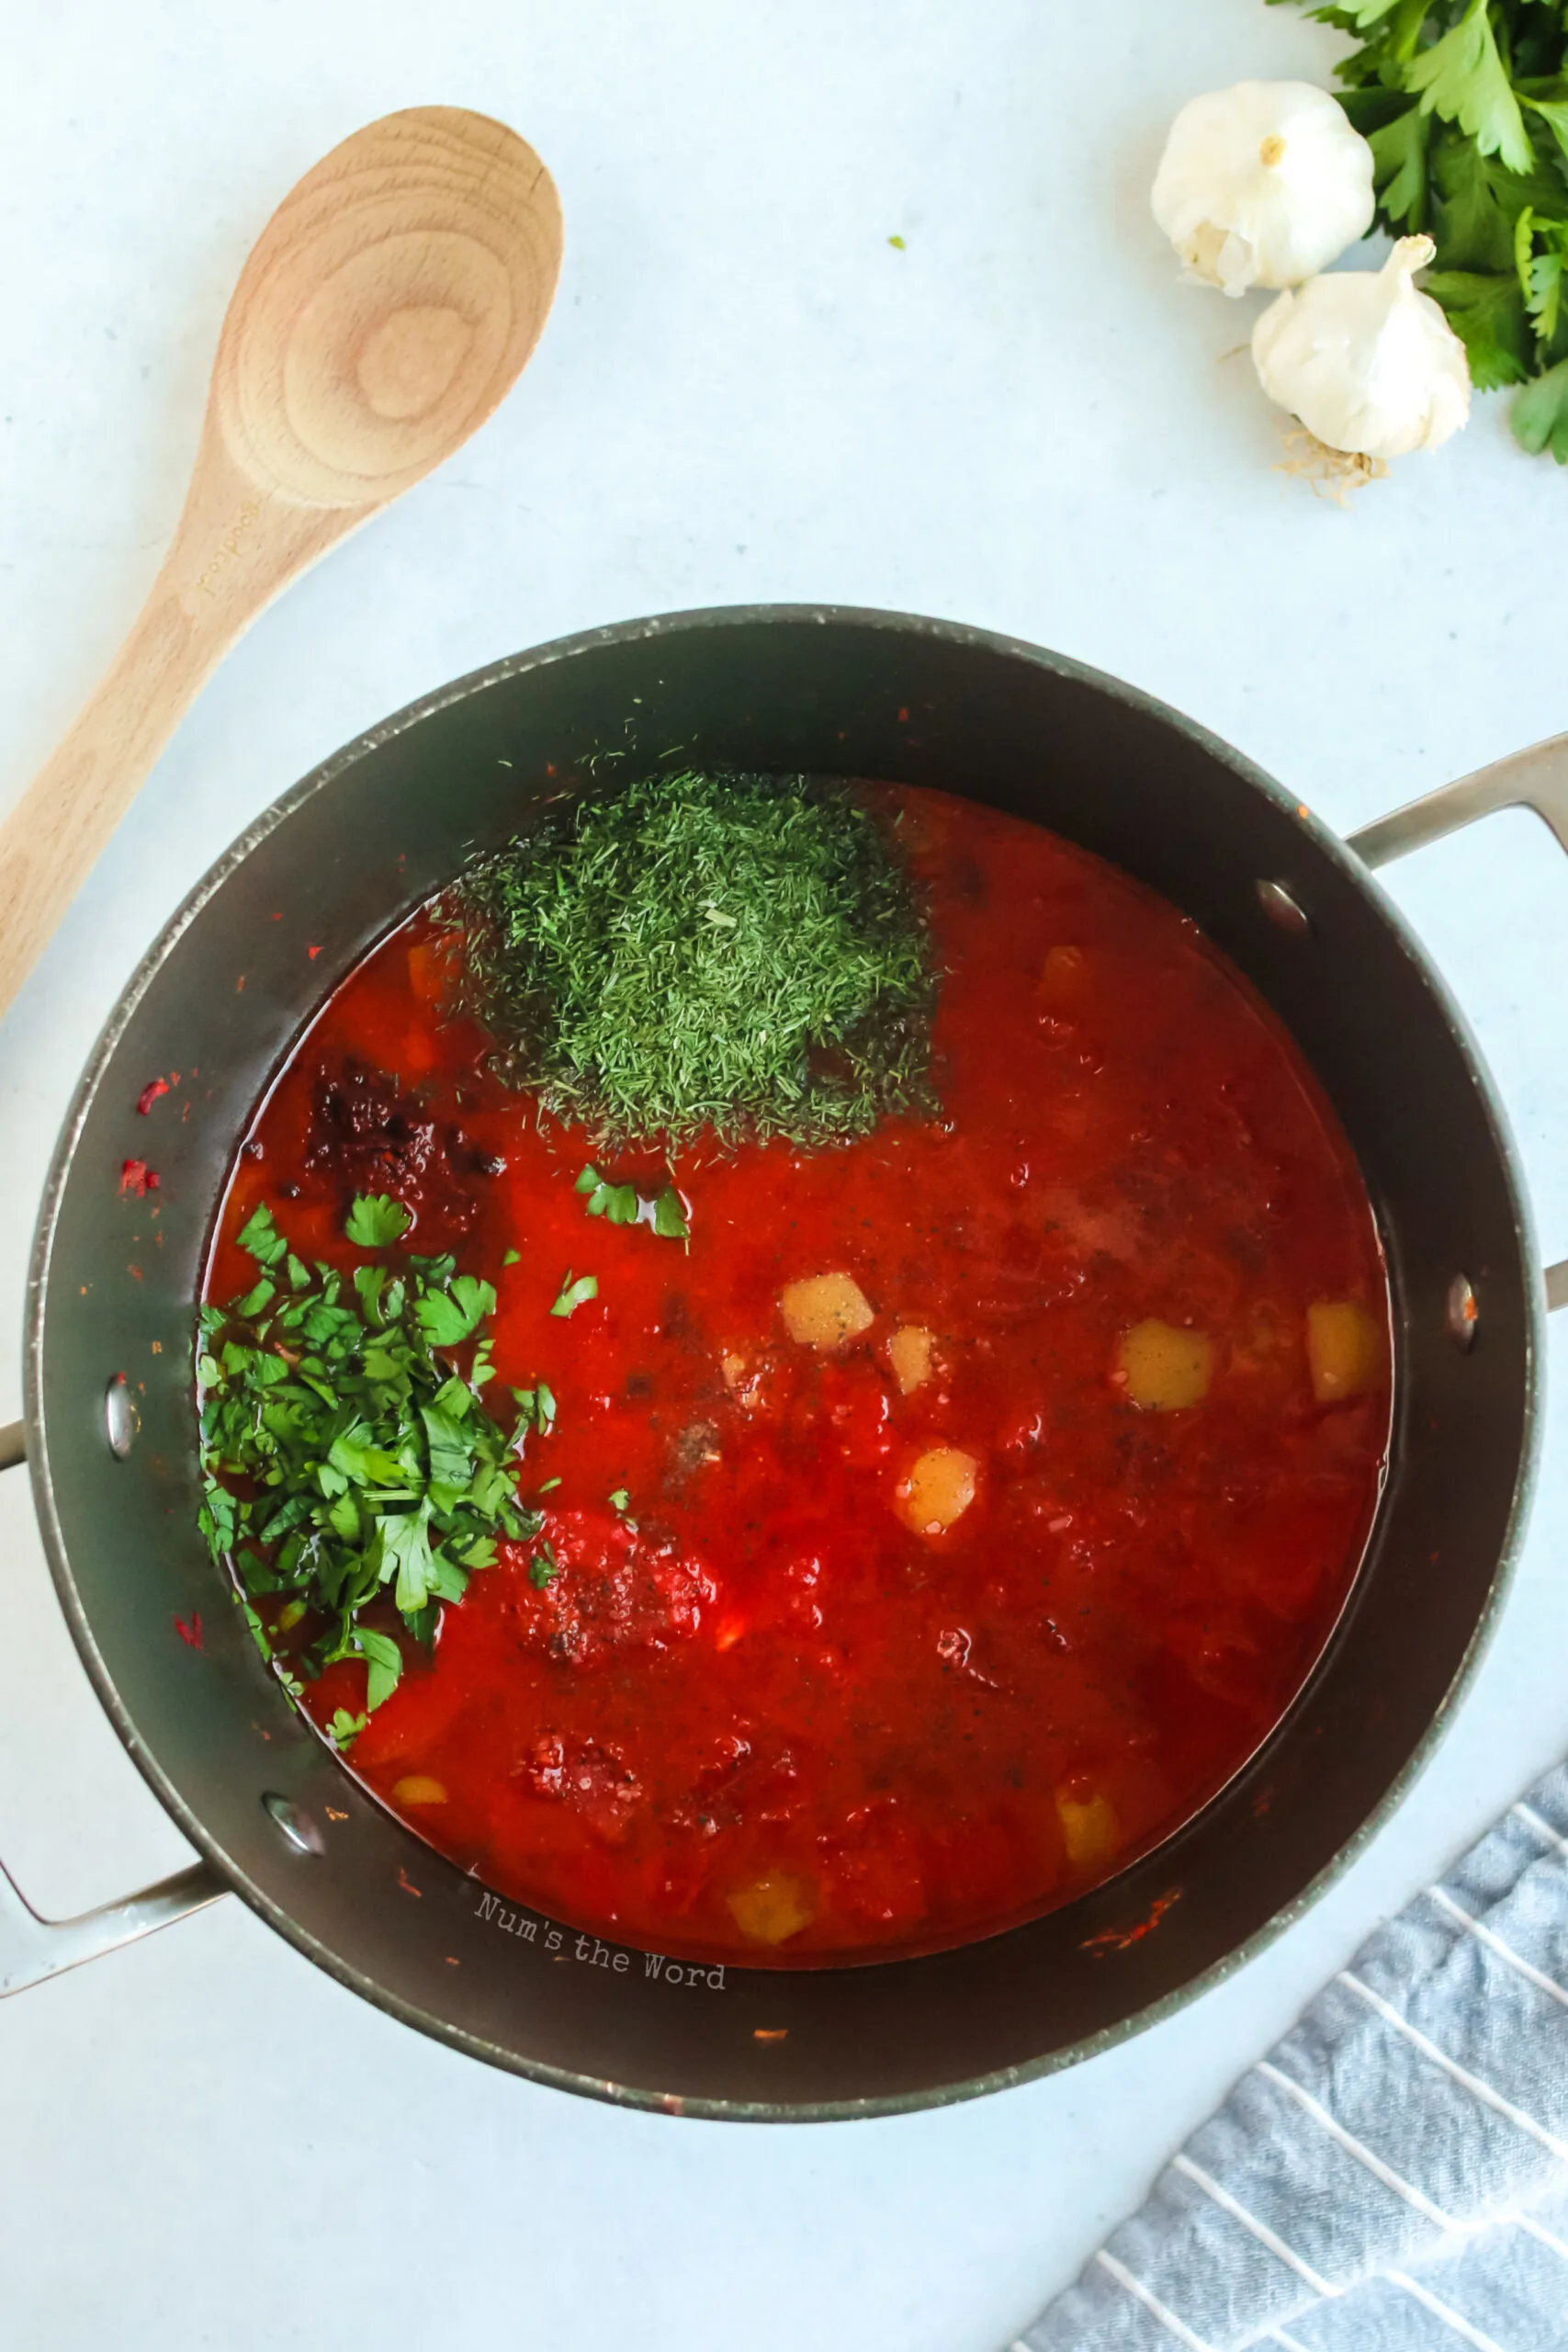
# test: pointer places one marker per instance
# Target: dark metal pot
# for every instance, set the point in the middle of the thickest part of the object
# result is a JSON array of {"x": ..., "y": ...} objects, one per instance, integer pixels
[{"x": 110, "y": 1434}]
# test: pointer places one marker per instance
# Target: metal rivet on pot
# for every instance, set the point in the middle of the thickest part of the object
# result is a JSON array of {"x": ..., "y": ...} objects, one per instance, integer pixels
[
  {"x": 296, "y": 1824},
  {"x": 1463, "y": 1312},
  {"x": 1282, "y": 910},
  {"x": 122, "y": 1422}
]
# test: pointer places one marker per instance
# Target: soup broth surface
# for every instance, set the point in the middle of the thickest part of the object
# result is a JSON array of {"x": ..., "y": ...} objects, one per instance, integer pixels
[{"x": 952, "y": 1516}]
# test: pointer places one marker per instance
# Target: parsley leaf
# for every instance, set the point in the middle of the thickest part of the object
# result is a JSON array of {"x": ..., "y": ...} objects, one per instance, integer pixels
[
  {"x": 536, "y": 1409},
  {"x": 448, "y": 1317},
  {"x": 1553, "y": 112},
  {"x": 404, "y": 1553},
  {"x": 669, "y": 1215},
  {"x": 1487, "y": 311},
  {"x": 541, "y": 1567},
  {"x": 375, "y": 1220},
  {"x": 1540, "y": 414},
  {"x": 1474, "y": 227},
  {"x": 451, "y": 1449},
  {"x": 620, "y": 1500},
  {"x": 620, "y": 1204},
  {"x": 346, "y": 1466},
  {"x": 577, "y": 1293},
  {"x": 384, "y": 1661},
  {"x": 260, "y": 1238},
  {"x": 1463, "y": 78},
  {"x": 1399, "y": 167},
  {"x": 1541, "y": 278}
]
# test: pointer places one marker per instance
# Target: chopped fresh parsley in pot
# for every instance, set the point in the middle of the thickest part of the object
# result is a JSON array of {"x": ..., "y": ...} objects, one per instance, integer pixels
[
  {"x": 615, "y": 1203},
  {"x": 577, "y": 1293},
  {"x": 537, "y": 1407},
  {"x": 669, "y": 1217},
  {"x": 348, "y": 1457},
  {"x": 374, "y": 1221},
  {"x": 448, "y": 1317},
  {"x": 665, "y": 1212}
]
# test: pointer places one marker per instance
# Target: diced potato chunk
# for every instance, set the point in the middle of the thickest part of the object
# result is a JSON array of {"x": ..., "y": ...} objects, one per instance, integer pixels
[
  {"x": 1344, "y": 1349},
  {"x": 825, "y": 1310},
  {"x": 430, "y": 968},
  {"x": 1062, "y": 977},
  {"x": 773, "y": 1908},
  {"x": 1164, "y": 1368},
  {"x": 938, "y": 1490},
  {"x": 909, "y": 1354},
  {"x": 745, "y": 1382},
  {"x": 1089, "y": 1828},
  {"x": 418, "y": 1788}
]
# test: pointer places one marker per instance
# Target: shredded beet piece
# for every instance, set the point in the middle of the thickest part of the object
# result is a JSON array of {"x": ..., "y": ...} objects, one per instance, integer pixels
[{"x": 368, "y": 1134}]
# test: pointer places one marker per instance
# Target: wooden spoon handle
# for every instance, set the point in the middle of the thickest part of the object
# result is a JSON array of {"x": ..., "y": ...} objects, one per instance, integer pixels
[
  {"x": 52, "y": 837},
  {"x": 236, "y": 548}
]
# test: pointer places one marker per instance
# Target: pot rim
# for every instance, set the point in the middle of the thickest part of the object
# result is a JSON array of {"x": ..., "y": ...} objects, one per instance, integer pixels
[{"x": 318, "y": 780}]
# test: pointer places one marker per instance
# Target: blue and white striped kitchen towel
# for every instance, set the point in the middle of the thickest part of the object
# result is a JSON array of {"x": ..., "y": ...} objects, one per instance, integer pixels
[{"x": 1394, "y": 2175}]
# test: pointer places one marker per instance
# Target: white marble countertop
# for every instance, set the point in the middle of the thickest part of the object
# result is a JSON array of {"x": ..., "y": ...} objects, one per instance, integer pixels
[{"x": 746, "y": 393}]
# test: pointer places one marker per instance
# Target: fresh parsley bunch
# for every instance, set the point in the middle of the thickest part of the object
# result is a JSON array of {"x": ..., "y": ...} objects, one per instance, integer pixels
[
  {"x": 1465, "y": 105},
  {"x": 343, "y": 1456}
]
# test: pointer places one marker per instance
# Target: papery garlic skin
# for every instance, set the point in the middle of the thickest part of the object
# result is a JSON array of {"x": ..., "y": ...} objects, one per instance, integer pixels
[
  {"x": 1368, "y": 362},
  {"x": 1263, "y": 185}
]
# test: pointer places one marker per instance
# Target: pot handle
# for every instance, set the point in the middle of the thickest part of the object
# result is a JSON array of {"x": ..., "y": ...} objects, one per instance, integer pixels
[
  {"x": 1537, "y": 779},
  {"x": 32, "y": 1949}
]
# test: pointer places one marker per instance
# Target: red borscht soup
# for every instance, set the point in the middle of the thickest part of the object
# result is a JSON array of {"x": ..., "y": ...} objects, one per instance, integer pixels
[{"x": 949, "y": 1515}]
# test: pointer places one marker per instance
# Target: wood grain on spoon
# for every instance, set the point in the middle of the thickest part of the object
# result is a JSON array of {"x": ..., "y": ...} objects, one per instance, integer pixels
[{"x": 388, "y": 305}]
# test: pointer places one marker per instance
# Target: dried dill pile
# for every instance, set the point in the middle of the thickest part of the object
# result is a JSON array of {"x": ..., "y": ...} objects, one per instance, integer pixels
[{"x": 736, "y": 951}]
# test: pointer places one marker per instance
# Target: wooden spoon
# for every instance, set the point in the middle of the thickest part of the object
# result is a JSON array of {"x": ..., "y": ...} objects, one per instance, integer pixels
[{"x": 387, "y": 307}]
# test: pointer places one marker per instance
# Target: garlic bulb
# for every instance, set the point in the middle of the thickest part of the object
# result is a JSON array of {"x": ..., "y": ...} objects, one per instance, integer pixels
[
  {"x": 1366, "y": 361},
  {"x": 1263, "y": 185}
]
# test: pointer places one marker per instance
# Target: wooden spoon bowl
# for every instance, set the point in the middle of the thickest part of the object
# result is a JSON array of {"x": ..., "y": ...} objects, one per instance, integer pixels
[
  {"x": 386, "y": 310},
  {"x": 389, "y": 304}
]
